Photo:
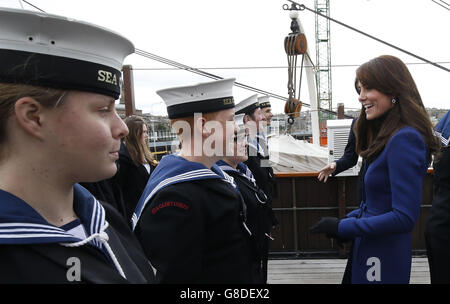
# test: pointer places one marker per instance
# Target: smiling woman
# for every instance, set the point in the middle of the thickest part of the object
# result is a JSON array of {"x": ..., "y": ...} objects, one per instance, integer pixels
[
  {"x": 58, "y": 127},
  {"x": 394, "y": 136},
  {"x": 390, "y": 101}
]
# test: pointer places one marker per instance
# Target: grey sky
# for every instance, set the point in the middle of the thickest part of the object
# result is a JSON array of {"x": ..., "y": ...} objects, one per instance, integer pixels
[{"x": 250, "y": 33}]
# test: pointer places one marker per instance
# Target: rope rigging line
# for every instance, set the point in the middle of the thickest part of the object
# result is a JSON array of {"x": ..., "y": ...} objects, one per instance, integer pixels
[
  {"x": 33, "y": 6},
  {"x": 273, "y": 67},
  {"x": 206, "y": 74},
  {"x": 216, "y": 77},
  {"x": 446, "y": 7},
  {"x": 302, "y": 7}
]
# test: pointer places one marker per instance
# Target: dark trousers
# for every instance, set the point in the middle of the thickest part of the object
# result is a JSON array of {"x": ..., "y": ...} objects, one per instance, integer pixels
[
  {"x": 438, "y": 252},
  {"x": 347, "y": 278},
  {"x": 264, "y": 260}
]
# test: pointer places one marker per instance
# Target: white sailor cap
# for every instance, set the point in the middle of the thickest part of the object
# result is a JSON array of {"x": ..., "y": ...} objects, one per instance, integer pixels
[
  {"x": 203, "y": 97},
  {"x": 264, "y": 102},
  {"x": 247, "y": 105},
  {"x": 53, "y": 51}
]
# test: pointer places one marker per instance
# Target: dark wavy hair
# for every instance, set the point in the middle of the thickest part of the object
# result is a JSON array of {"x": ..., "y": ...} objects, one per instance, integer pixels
[{"x": 390, "y": 76}]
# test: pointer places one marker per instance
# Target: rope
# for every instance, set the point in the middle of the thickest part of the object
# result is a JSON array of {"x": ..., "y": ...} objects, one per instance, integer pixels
[
  {"x": 442, "y": 5},
  {"x": 103, "y": 237},
  {"x": 212, "y": 76},
  {"x": 301, "y": 74},
  {"x": 272, "y": 67},
  {"x": 33, "y": 6},
  {"x": 303, "y": 7}
]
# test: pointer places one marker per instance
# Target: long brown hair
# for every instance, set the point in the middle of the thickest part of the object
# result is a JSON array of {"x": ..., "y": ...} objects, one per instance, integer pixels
[
  {"x": 138, "y": 150},
  {"x": 390, "y": 76}
]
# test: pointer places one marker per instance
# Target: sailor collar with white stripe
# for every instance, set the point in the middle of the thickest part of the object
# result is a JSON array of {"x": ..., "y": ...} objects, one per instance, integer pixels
[
  {"x": 241, "y": 168},
  {"x": 171, "y": 170},
  {"x": 259, "y": 145},
  {"x": 21, "y": 224},
  {"x": 442, "y": 129}
]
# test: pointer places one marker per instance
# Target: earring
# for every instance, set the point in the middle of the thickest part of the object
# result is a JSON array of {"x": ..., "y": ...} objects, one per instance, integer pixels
[{"x": 394, "y": 100}]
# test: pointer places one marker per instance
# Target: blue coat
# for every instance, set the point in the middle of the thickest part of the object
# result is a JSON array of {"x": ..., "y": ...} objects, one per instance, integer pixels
[{"x": 383, "y": 224}]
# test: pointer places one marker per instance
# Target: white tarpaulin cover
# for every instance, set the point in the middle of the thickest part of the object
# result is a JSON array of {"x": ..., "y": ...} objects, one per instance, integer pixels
[{"x": 288, "y": 154}]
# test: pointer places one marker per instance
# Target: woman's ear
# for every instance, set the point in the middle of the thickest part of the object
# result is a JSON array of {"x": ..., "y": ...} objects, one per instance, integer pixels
[{"x": 28, "y": 113}]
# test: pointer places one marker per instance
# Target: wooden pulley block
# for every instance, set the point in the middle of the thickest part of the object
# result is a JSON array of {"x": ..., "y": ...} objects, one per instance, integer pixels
[
  {"x": 300, "y": 44},
  {"x": 295, "y": 44},
  {"x": 293, "y": 107},
  {"x": 297, "y": 108}
]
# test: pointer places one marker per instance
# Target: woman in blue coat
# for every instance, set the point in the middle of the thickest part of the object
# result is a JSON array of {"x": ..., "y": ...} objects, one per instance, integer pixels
[{"x": 394, "y": 134}]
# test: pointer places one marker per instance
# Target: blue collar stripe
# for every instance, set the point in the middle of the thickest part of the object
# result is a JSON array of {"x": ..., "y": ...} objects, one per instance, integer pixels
[
  {"x": 187, "y": 176},
  {"x": 191, "y": 175},
  {"x": 36, "y": 226},
  {"x": 257, "y": 147},
  {"x": 97, "y": 220},
  {"x": 26, "y": 233},
  {"x": 21, "y": 224},
  {"x": 225, "y": 177},
  {"x": 227, "y": 168},
  {"x": 24, "y": 239},
  {"x": 241, "y": 168},
  {"x": 444, "y": 141}
]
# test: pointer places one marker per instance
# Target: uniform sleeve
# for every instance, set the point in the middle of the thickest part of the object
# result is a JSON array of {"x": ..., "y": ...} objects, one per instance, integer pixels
[
  {"x": 406, "y": 162},
  {"x": 350, "y": 157},
  {"x": 171, "y": 232}
]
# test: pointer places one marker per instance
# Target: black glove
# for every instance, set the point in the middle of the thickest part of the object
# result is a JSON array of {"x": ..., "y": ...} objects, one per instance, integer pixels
[
  {"x": 342, "y": 242},
  {"x": 327, "y": 225}
]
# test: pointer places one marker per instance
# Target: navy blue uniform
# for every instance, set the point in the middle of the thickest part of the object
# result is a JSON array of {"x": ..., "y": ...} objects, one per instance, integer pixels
[
  {"x": 190, "y": 224},
  {"x": 437, "y": 234},
  {"x": 258, "y": 157},
  {"x": 256, "y": 206},
  {"x": 34, "y": 251}
]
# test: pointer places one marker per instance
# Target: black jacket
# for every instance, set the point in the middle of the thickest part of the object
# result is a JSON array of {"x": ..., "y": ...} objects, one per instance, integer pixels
[
  {"x": 256, "y": 220},
  {"x": 350, "y": 159},
  {"x": 265, "y": 179},
  {"x": 193, "y": 232},
  {"x": 438, "y": 221},
  {"x": 131, "y": 179},
  {"x": 108, "y": 191}
]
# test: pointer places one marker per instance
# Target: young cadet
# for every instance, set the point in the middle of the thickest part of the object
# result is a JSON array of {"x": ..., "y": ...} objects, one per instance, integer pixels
[
  {"x": 254, "y": 198},
  {"x": 190, "y": 218},
  {"x": 257, "y": 162},
  {"x": 58, "y": 84},
  {"x": 266, "y": 108}
]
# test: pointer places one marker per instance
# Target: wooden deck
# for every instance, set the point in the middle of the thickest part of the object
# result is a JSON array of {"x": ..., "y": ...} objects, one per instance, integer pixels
[{"x": 329, "y": 271}]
